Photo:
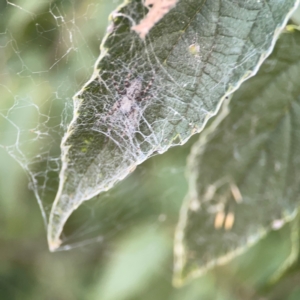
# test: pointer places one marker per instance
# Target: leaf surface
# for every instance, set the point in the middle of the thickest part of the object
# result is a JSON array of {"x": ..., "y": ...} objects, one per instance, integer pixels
[
  {"x": 244, "y": 172},
  {"x": 148, "y": 95}
]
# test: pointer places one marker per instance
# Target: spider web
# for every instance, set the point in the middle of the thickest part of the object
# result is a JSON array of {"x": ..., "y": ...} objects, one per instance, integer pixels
[
  {"x": 177, "y": 83},
  {"x": 45, "y": 59},
  {"x": 47, "y": 53}
]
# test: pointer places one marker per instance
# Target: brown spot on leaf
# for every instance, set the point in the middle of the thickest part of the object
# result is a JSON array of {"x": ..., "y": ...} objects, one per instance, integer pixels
[{"x": 157, "y": 9}]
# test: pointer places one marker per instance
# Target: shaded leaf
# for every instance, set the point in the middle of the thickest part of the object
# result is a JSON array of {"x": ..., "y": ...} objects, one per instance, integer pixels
[{"x": 244, "y": 172}]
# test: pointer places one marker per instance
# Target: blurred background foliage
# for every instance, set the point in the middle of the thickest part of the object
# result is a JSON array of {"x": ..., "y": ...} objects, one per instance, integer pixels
[{"x": 47, "y": 51}]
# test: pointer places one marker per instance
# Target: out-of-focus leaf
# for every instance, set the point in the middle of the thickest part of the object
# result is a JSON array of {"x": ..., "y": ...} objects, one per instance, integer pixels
[
  {"x": 244, "y": 173},
  {"x": 138, "y": 258},
  {"x": 296, "y": 16},
  {"x": 287, "y": 288},
  {"x": 146, "y": 96}
]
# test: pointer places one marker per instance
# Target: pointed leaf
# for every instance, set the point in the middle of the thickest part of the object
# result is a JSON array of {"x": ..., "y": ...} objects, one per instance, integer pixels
[{"x": 147, "y": 95}]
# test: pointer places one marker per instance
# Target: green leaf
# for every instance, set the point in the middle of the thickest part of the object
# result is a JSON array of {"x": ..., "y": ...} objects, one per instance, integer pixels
[
  {"x": 146, "y": 96},
  {"x": 296, "y": 16},
  {"x": 137, "y": 260},
  {"x": 244, "y": 172}
]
